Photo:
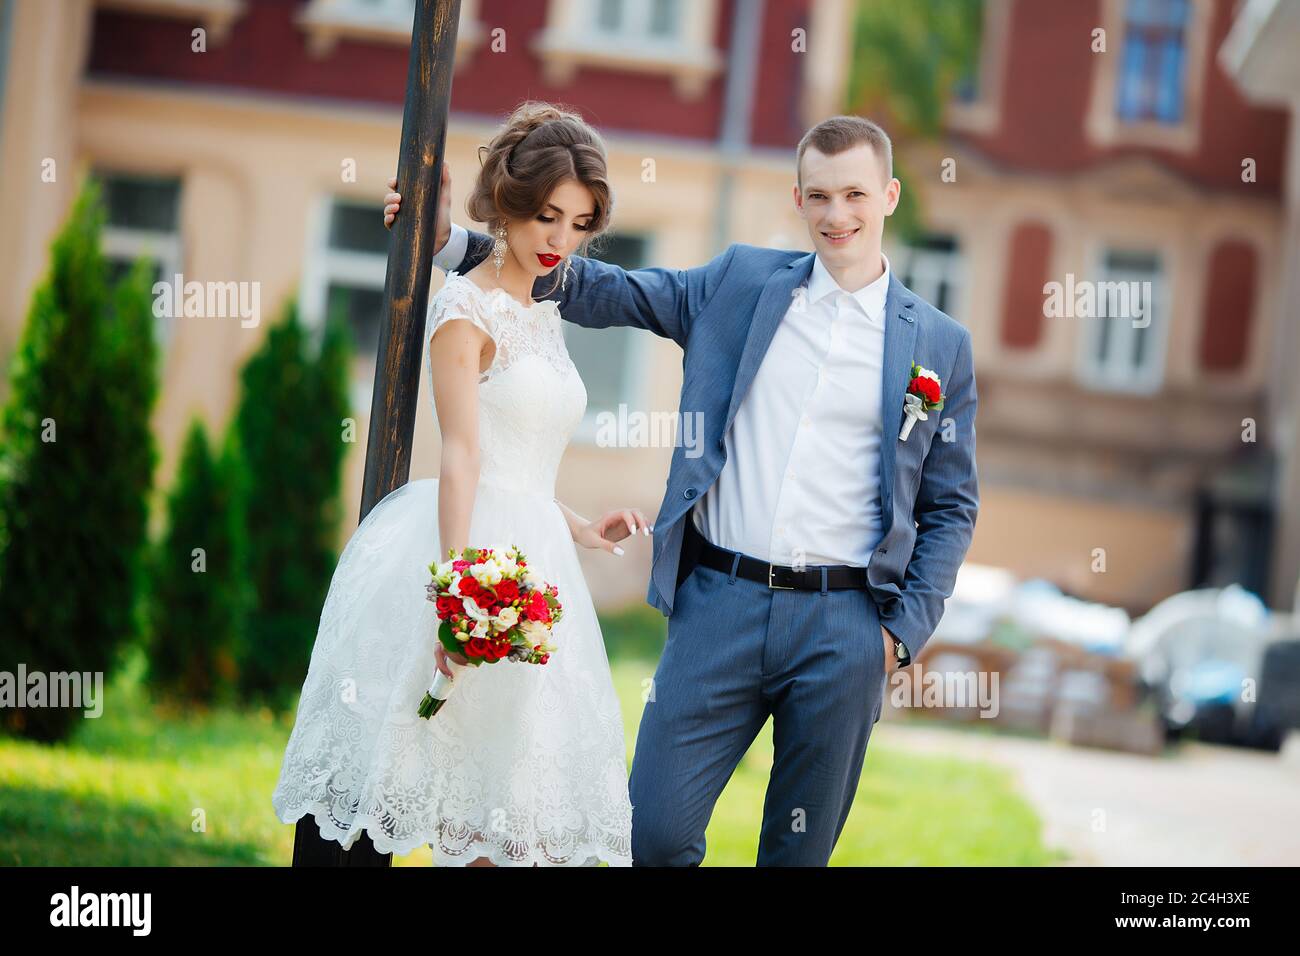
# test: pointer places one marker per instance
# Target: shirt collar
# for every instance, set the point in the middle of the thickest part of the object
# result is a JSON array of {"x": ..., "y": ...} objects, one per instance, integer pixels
[{"x": 870, "y": 297}]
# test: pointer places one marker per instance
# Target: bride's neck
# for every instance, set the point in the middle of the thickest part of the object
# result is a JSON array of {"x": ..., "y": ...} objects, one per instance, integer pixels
[{"x": 516, "y": 281}]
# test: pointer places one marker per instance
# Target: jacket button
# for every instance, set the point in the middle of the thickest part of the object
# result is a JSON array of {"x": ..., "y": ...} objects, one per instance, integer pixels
[
  {"x": 722, "y": 443},
  {"x": 884, "y": 550},
  {"x": 688, "y": 493}
]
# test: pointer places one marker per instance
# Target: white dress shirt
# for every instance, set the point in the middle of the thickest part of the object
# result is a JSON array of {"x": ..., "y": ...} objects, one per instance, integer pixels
[{"x": 801, "y": 484}]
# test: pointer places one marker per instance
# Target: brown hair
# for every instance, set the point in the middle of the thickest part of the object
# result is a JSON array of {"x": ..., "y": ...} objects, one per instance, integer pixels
[
  {"x": 835, "y": 135},
  {"x": 540, "y": 146}
]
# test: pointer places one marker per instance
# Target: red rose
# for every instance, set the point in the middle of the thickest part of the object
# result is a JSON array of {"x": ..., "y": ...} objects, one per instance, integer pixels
[
  {"x": 537, "y": 608},
  {"x": 470, "y": 588},
  {"x": 507, "y": 591},
  {"x": 927, "y": 388},
  {"x": 449, "y": 605},
  {"x": 477, "y": 647}
]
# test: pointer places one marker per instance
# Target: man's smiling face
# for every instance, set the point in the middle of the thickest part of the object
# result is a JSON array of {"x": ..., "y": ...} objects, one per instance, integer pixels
[{"x": 844, "y": 199}]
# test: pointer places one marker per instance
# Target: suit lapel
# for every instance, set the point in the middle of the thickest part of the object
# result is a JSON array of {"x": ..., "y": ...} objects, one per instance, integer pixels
[
  {"x": 773, "y": 303},
  {"x": 900, "y": 341}
]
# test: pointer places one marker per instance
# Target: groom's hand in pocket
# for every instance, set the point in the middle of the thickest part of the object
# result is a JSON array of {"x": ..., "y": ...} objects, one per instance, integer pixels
[
  {"x": 611, "y": 527},
  {"x": 891, "y": 655}
]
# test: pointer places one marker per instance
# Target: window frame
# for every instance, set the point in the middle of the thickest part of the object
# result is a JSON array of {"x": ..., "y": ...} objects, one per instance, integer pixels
[
  {"x": 128, "y": 242},
  {"x": 1097, "y": 374}
]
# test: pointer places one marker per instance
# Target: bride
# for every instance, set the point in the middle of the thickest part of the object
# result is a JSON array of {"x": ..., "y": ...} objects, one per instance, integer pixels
[{"x": 525, "y": 764}]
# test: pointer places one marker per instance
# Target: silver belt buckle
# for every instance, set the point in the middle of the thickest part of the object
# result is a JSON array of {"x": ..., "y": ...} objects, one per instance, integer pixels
[{"x": 776, "y": 587}]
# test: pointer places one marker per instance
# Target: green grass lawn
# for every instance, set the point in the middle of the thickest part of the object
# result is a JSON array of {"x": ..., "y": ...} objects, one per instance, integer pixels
[{"x": 139, "y": 786}]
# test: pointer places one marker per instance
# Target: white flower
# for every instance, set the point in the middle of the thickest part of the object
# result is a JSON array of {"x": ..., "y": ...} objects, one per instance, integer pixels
[
  {"x": 479, "y": 630},
  {"x": 442, "y": 574},
  {"x": 487, "y": 574},
  {"x": 535, "y": 631},
  {"x": 927, "y": 373},
  {"x": 532, "y": 578},
  {"x": 474, "y": 612},
  {"x": 508, "y": 618}
]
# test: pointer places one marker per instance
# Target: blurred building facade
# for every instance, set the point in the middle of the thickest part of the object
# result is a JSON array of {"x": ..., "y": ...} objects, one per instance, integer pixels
[
  {"x": 1149, "y": 447},
  {"x": 263, "y": 158}
]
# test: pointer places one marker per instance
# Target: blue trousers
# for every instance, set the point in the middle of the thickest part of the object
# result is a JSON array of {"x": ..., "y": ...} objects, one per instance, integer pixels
[{"x": 737, "y": 652}]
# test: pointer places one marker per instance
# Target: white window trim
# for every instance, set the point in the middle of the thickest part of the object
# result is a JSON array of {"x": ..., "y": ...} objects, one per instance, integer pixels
[
  {"x": 215, "y": 16},
  {"x": 1105, "y": 128},
  {"x": 902, "y": 258},
  {"x": 327, "y": 21},
  {"x": 321, "y": 266},
  {"x": 634, "y": 377},
  {"x": 1150, "y": 379},
  {"x": 570, "y": 41},
  {"x": 123, "y": 242},
  {"x": 983, "y": 114}
]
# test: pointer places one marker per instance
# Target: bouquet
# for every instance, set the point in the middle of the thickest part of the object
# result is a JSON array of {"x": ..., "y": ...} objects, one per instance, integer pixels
[{"x": 492, "y": 607}]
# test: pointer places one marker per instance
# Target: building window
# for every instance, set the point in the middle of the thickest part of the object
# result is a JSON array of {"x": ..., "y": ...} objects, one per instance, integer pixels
[
  {"x": 1153, "y": 65},
  {"x": 142, "y": 220},
  {"x": 1124, "y": 324},
  {"x": 931, "y": 268},
  {"x": 657, "y": 37},
  {"x": 344, "y": 280},
  {"x": 639, "y": 21},
  {"x": 609, "y": 360},
  {"x": 380, "y": 21}
]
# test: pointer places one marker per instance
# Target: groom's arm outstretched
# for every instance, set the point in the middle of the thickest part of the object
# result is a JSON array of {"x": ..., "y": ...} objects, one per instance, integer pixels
[
  {"x": 947, "y": 503},
  {"x": 600, "y": 294}
]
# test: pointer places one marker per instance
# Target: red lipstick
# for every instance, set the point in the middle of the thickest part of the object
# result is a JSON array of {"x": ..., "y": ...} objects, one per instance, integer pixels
[{"x": 548, "y": 259}]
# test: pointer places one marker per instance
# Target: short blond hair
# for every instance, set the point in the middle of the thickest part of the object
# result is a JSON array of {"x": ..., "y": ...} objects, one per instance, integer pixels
[{"x": 835, "y": 135}]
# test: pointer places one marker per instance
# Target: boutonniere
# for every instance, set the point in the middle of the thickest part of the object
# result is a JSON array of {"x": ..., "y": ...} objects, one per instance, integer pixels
[{"x": 923, "y": 395}]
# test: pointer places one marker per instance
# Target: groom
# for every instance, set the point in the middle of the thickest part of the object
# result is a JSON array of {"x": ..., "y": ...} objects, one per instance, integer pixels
[{"x": 809, "y": 551}]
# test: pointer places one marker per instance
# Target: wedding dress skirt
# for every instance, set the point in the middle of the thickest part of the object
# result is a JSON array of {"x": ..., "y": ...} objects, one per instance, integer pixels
[{"x": 525, "y": 763}]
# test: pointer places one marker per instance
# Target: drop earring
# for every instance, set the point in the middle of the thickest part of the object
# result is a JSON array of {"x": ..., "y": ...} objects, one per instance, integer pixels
[
  {"x": 499, "y": 250},
  {"x": 565, "y": 274}
]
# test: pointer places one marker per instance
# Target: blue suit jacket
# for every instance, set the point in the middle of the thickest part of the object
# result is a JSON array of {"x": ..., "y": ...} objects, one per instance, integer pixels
[{"x": 723, "y": 314}]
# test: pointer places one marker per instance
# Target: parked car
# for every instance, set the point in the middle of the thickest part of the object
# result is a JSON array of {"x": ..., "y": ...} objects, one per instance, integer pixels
[{"x": 1201, "y": 654}]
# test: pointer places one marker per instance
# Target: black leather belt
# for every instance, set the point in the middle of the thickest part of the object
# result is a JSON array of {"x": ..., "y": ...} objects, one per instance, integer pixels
[{"x": 776, "y": 576}]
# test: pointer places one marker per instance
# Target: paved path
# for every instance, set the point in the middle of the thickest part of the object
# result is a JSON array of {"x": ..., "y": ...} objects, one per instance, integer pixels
[{"x": 1200, "y": 805}]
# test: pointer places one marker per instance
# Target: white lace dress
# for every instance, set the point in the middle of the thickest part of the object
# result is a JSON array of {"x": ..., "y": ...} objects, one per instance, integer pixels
[{"x": 525, "y": 764}]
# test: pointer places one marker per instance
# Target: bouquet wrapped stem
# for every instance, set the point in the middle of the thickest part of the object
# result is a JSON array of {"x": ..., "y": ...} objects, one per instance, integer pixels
[{"x": 492, "y": 607}]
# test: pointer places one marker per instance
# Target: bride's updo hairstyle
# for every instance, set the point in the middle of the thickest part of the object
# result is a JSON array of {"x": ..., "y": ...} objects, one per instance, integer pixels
[{"x": 539, "y": 147}]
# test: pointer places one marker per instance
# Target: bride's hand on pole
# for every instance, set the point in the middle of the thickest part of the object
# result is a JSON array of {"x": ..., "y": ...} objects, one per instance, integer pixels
[{"x": 611, "y": 527}]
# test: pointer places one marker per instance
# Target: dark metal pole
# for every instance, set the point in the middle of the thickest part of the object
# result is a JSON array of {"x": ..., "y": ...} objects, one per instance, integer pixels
[{"x": 406, "y": 297}]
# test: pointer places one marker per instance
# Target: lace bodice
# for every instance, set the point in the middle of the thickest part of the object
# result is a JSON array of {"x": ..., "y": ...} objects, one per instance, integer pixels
[{"x": 531, "y": 397}]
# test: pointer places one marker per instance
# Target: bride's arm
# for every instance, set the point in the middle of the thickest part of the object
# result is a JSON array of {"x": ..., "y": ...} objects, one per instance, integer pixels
[
  {"x": 604, "y": 531},
  {"x": 454, "y": 355}
]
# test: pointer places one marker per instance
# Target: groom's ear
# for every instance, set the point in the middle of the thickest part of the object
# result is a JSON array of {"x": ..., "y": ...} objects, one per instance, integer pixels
[
  {"x": 893, "y": 190},
  {"x": 797, "y": 195}
]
